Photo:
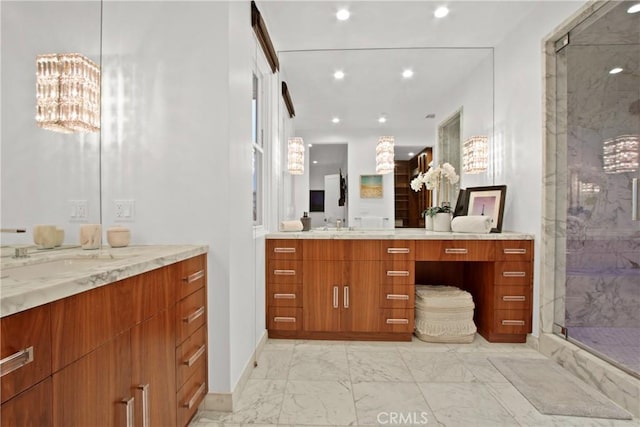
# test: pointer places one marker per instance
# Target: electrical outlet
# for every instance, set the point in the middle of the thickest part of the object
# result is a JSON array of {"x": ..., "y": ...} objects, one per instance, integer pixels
[{"x": 124, "y": 210}]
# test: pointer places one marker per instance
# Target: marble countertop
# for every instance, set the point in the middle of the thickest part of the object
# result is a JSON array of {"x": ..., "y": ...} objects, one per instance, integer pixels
[
  {"x": 398, "y": 233},
  {"x": 48, "y": 276}
]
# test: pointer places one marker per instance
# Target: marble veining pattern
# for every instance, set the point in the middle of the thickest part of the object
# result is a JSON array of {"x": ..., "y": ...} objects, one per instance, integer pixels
[
  {"x": 473, "y": 395},
  {"x": 400, "y": 233}
]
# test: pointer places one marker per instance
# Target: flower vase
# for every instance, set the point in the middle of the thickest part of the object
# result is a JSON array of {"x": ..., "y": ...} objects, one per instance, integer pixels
[
  {"x": 442, "y": 221},
  {"x": 428, "y": 223}
]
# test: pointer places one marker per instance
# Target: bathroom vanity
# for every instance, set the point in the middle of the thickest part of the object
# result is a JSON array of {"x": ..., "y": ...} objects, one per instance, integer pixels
[
  {"x": 115, "y": 337},
  {"x": 360, "y": 285}
]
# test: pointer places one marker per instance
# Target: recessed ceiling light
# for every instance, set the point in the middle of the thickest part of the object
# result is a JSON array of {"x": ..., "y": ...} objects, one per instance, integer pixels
[
  {"x": 338, "y": 75},
  {"x": 441, "y": 12},
  {"x": 382, "y": 119},
  {"x": 315, "y": 162},
  {"x": 615, "y": 70},
  {"x": 407, "y": 73},
  {"x": 335, "y": 120},
  {"x": 411, "y": 153},
  {"x": 343, "y": 15},
  {"x": 634, "y": 9}
]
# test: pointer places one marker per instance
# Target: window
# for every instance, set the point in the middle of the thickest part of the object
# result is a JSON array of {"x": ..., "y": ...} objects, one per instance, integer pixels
[{"x": 258, "y": 152}]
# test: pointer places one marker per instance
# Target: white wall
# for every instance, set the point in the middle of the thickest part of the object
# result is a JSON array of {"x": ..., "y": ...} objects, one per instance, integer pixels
[{"x": 519, "y": 133}]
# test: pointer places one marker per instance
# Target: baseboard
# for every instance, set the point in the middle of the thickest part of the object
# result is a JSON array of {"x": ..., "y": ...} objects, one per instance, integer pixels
[
  {"x": 533, "y": 342},
  {"x": 225, "y": 402}
]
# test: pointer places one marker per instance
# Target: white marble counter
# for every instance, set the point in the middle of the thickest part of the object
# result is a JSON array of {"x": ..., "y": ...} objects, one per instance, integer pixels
[
  {"x": 398, "y": 233},
  {"x": 45, "y": 277}
]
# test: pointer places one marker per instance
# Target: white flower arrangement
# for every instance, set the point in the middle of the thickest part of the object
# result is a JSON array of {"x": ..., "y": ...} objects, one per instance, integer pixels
[{"x": 440, "y": 178}]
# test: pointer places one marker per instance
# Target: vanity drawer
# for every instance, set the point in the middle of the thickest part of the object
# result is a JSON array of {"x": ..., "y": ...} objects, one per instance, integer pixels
[
  {"x": 512, "y": 321},
  {"x": 25, "y": 350},
  {"x": 404, "y": 250},
  {"x": 455, "y": 250},
  {"x": 397, "y": 296},
  {"x": 396, "y": 320},
  {"x": 190, "y": 355},
  {"x": 284, "y": 319},
  {"x": 325, "y": 249},
  {"x": 397, "y": 272},
  {"x": 514, "y": 250},
  {"x": 513, "y": 273},
  {"x": 283, "y": 271},
  {"x": 190, "y": 395},
  {"x": 362, "y": 250},
  {"x": 512, "y": 297},
  {"x": 191, "y": 314},
  {"x": 192, "y": 275},
  {"x": 284, "y": 249},
  {"x": 284, "y": 295}
]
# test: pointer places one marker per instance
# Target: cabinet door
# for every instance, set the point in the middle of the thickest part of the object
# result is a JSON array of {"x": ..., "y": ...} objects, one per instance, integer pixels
[
  {"x": 323, "y": 283},
  {"x": 91, "y": 390},
  {"x": 360, "y": 297},
  {"x": 153, "y": 363},
  {"x": 31, "y": 408}
]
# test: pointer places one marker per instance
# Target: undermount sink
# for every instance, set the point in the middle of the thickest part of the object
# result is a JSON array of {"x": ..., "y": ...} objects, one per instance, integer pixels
[{"x": 57, "y": 266}]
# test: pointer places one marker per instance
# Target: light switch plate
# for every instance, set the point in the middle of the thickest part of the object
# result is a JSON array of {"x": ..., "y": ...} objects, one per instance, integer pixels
[{"x": 78, "y": 210}]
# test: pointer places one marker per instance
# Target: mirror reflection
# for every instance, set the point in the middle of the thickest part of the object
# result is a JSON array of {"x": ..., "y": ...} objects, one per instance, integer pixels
[{"x": 47, "y": 177}]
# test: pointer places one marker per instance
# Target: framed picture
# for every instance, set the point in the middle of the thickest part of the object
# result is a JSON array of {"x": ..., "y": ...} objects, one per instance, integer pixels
[
  {"x": 371, "y": 186},
  {"x": 316, "y": 200},
  {"x": 487, "y": 201},
  {"x": 460, "y": 207}
]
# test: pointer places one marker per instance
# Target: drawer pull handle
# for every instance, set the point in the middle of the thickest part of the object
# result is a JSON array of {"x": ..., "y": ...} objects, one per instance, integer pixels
[
  {"x": 335, "y": 297},
  {"x": 284, "y": 250},
  {"x": 514, "y": 298},
  {"x": 193, "y": 316},
  {"x": 398, "y": 296},
  {"x": 398, "y": 273},
  {"x": 195, "y": 397},
  {"x": 193, "y": 277},
  {"x": 129, "y": 410},
  {"x": 514, "y": 251},
  {"x": 284, "y": 272},
  {"x": 456, "y": 251},
  {"x": 284, "y": 296},
  {"x": 284, "y": 319},
  {"x": 397, "y": 250},
  {"x": 144, "y": 388},
  {"x": 16, "y": 361},
  {"x": 345, "y": 297},
  {"x": 195, "y": 356},
  {"x": 513, "y": 322},
  {"x": 513, "y": 274},
  {"x": 397, "y": 321}
]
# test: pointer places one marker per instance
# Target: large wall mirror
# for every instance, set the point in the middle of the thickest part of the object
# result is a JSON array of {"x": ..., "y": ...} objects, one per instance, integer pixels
[
  {"x": 372, "y": 98},
  {"x": 47, "y": 177}
]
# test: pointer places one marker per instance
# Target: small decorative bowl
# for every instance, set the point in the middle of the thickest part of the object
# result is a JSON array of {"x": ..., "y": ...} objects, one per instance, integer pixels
[{"x": 118, "y": 237}]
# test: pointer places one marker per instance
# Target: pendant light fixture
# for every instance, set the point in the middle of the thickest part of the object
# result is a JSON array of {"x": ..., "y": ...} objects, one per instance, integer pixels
[
  {"x": 475, "y": 154},
  {"x": 295, "y": 156},
  {"x": 384, "y": 155}
]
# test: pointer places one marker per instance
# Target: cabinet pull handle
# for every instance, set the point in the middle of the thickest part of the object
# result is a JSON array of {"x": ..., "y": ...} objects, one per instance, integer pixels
[
  {"x": 193, "y": 316},
  {"x": 513, "y": 322},
  {"x": 193, "y": 277},
  {"x": 398, "y": 296},
  {"x": 16, "y": 361},
  {"x": 128, "y": 410},
  {"x": 283, "y": 319},
  {"x": 397, "y": 321},
  {"x": 189, "y": 404},
  {"x": 345, "y": 296},
  {"x": 284, "y": 250},
  {"x": 397, "y": 250},
  {"x": 456, "y": 250},
  {"x": 335, "y": 297},
  {"x": 514, "y": 298},
  {"x": 397, "y": 273},
  {"x": 145, "y": 404},
  {"x": 634, "y": 199},
  {"x": 284, "y": 296},
  {"x": 513, "y": 274},
  {"x": 514, "y": 251},
  {"x": 195, "y": 356},
  {"x": 284, "y": 272}
]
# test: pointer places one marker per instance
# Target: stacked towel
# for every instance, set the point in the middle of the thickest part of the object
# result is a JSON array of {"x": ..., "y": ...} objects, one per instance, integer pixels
[
  {"x": 444, "y": 314},
  {"x": 293, "y": 225},
  {"x": 471, "y": 224}
]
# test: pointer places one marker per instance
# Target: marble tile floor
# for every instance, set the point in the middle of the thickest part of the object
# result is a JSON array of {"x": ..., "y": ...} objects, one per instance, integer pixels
[{"x": 348, "y": 383}]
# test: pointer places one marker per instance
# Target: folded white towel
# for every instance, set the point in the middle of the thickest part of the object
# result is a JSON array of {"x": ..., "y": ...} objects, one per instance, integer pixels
[
  {"x": 471, "y": 224},
  {"x": 294, "y": 225}
]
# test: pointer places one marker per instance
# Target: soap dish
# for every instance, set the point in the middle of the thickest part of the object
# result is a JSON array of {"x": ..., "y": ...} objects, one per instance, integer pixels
[{"x": 118, "y": 237}]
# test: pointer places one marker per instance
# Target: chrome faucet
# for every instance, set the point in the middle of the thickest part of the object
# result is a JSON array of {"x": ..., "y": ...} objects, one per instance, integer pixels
[
  {"x": 326, "y": 224},
  {"x": 20, "y": 252},
  {"x": 13, "y": 230},
  {"x": 338, "y": 224}
]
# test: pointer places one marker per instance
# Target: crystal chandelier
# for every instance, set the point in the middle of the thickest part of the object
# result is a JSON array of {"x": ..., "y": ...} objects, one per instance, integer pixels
[
  {"x": 384, "y": 155},
  {"x": 296, "y": 156},
  {"x": 68, "y": 93},
  {"x": 620, "y": 154},
  {"x": 475, "y": 154}
]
